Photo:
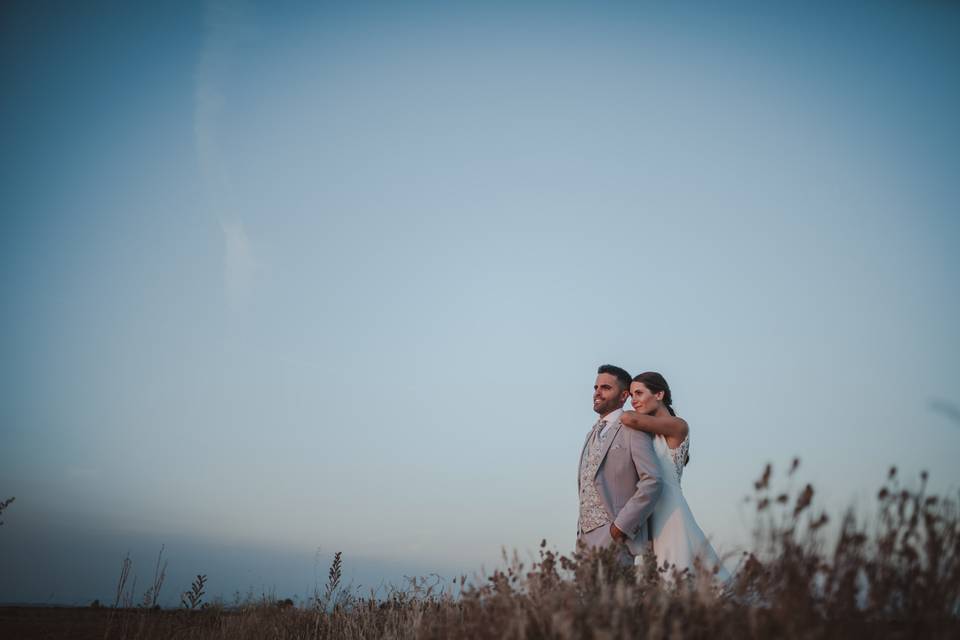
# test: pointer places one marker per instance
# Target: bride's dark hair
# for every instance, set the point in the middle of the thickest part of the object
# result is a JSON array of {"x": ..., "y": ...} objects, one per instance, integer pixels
[{"x": 656, "y": 383}]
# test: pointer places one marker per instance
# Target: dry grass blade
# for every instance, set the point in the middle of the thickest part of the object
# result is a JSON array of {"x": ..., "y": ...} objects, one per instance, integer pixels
[
  {"x": 193, "y": 598},
  {"x": 4, "y": 504},
  {"x": 152, "y": 594}
]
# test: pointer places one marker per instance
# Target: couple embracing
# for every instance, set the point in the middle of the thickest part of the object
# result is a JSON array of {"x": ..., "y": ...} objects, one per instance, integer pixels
[{"x": 629, "y": 480}]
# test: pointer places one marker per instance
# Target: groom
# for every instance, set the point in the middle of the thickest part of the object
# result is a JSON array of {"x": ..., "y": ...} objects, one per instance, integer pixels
[{"x": 619, "y": 479}]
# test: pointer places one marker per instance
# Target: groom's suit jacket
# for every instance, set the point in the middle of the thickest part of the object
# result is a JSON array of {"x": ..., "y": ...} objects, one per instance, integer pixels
[{"x": 628, "y": 479}]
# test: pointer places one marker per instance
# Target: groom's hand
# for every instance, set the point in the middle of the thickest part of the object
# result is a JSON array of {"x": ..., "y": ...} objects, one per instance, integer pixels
[{"x": 616, "y": 534}]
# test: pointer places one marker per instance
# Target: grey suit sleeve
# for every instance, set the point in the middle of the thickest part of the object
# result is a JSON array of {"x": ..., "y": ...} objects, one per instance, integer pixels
[{"x": 638, "y": 508}]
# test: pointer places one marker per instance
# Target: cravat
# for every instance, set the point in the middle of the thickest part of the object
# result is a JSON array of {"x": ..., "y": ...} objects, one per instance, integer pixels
[{"x": 598, "y": 428}]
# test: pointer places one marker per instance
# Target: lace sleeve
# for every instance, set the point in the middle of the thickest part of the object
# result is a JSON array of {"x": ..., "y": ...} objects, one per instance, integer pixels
[{"x": 679, "y": 456}]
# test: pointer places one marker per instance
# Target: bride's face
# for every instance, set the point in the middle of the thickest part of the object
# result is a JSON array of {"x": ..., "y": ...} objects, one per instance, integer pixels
[{"x": 642, "y": 400}]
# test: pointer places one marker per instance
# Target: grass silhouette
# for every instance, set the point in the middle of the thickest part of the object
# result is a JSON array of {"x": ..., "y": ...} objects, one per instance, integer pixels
[{"x": 894, "y": 575}]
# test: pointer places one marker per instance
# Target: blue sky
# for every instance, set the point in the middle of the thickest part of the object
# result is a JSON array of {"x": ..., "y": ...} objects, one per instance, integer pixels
[{"x": 338, "y": 277}]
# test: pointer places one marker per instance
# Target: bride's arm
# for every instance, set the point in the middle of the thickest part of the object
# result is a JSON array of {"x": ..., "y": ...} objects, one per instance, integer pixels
[{"x": 666, "y": 426}]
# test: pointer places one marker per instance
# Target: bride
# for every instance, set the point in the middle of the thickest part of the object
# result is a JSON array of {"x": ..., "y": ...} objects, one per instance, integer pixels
[{"x": 677, "y": 539}]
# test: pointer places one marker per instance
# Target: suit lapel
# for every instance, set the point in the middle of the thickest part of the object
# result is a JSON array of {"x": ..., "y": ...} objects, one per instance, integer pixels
[
  {"x": 583, "y": 452},
  {"x": 585, "y": 443}
]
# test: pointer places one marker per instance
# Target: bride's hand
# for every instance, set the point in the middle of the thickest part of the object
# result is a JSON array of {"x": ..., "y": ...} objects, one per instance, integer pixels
[{"x": 631, "y": 419}]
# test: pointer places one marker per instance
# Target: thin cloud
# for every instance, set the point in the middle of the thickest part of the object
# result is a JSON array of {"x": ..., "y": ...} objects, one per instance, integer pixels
[
  {"x": 947, "y": 409},
  {"x": 228, "y": 27}
]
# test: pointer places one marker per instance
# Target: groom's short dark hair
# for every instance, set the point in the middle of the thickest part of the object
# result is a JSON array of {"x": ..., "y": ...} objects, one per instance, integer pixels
[{"x": 620, "y": 374}]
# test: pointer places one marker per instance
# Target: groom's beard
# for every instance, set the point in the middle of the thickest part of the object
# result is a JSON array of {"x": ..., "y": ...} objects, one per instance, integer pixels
[{"x": 603, "y": 409}]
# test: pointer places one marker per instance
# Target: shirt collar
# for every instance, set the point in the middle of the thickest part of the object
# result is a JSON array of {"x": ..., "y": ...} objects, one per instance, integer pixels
[{"x": 612, "y": 417}]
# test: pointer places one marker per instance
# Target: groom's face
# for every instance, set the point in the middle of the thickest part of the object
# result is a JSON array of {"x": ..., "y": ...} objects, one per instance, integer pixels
[{"x": 607, "y": 394}]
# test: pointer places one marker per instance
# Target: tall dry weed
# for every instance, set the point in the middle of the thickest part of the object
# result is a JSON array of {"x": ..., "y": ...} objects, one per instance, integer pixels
[{"x": 3, "y": 506}]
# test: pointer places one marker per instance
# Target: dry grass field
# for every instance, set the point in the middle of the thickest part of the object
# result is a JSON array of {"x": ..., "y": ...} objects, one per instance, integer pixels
[{"x": 896, "y": 576}]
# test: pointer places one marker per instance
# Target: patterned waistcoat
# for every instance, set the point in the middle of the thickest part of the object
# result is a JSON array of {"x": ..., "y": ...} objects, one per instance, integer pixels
[{"x": 592, "y": 512}]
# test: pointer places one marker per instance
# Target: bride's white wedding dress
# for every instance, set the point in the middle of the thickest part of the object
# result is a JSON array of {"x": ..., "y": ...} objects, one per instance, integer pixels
[{"x": 677, "y": 538}]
